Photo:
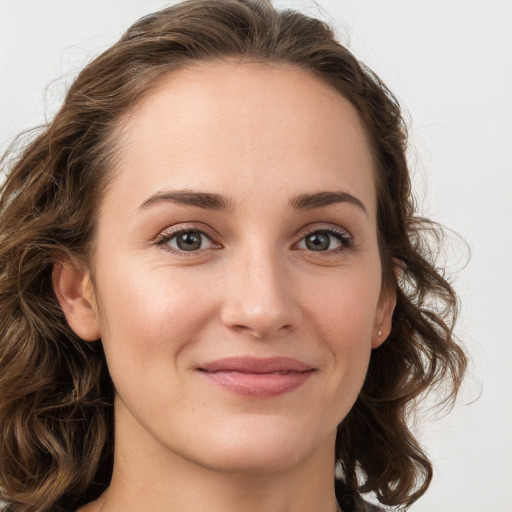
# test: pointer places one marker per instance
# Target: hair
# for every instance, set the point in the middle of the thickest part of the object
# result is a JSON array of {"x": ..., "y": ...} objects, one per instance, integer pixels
[{"x": 56, "y": 396}]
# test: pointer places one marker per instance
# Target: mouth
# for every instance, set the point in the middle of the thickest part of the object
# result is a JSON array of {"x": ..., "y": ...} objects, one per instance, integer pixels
[{"x": 257, "y": 377}]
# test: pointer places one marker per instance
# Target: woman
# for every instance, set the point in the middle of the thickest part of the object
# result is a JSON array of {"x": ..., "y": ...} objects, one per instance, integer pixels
[{"x": 215, "y": 293}]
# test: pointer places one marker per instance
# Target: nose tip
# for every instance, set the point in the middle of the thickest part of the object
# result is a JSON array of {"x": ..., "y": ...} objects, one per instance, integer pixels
[
  {"x": 259, "y": 322},
  {"x": 260, "y": 303}
]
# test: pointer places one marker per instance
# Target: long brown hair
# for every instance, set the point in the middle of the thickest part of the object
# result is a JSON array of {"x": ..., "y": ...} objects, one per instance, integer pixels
[{"x": 56, "y": 397}]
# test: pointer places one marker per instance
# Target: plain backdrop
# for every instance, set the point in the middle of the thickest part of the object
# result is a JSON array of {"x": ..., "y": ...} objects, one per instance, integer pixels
[{"x": 450, "y": 65}]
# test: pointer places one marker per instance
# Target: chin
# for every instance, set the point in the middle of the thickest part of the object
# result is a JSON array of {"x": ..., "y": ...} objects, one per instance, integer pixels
[
  {"x": 251, "y": 461},
  {"x": 261, "y": 448}
]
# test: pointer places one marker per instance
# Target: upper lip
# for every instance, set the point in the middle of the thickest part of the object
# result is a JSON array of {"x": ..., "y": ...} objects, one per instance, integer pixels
[{"x": 244, "y": 364}]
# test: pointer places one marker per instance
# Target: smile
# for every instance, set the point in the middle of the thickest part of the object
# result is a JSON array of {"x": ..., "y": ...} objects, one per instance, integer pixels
[{"x": 257, "y": 378}]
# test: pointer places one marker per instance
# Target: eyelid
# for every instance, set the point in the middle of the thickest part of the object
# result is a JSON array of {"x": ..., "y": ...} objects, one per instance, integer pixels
[
  {"x": 346, "y": 238},
  {"x": 165, "y": 235}
]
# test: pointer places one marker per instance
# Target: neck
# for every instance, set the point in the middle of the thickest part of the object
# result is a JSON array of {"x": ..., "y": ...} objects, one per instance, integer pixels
[{"x": 150, "y": 477}]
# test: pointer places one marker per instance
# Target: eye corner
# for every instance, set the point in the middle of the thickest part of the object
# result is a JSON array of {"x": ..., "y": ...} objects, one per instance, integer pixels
[
  {"x": 195, "y": 241},
  {"x": 325, "y": 240}
]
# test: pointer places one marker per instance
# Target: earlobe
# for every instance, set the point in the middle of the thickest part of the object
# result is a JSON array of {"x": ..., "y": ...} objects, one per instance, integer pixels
[{"x": 73, "y": 287}]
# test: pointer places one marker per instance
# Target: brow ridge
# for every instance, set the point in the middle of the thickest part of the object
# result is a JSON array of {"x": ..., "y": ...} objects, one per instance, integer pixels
[
  {"x": 205, "y": 200},
  {"x": 212, "y": 201},
  {"x": 325, "y": 198}
]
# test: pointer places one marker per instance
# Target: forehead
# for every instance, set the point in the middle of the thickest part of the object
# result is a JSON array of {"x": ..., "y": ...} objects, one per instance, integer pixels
[{"x": 229, "y": 127}]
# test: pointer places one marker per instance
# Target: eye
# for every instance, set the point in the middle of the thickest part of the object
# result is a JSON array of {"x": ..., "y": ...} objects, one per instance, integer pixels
[
  {"x": 323, "y": 240},
  {"x": 187, "y": 241}
]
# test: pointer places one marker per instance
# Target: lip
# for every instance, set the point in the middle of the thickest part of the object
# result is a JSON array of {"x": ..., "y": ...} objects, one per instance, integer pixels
[{"x": 257, "y": 377}]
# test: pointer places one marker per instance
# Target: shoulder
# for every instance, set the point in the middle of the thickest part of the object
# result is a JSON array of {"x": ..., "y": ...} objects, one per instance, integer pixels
[{"x": 351, "y": 501}]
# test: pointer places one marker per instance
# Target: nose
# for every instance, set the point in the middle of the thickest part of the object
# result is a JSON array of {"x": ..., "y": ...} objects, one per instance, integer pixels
[{"x": 259, "y": 297}]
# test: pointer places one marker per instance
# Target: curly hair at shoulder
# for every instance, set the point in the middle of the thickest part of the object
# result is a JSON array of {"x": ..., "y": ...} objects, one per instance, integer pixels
[{"x": 56, "y": 396}]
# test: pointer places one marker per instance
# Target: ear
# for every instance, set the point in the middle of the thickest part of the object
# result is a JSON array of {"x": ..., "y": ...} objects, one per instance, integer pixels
[
  {"x": 383, "y": 316},
  {"x": 75, "y": 292}
]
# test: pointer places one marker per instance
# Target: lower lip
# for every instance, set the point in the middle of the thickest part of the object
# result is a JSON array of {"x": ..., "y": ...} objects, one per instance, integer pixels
[{"x": 258, "y": 385}]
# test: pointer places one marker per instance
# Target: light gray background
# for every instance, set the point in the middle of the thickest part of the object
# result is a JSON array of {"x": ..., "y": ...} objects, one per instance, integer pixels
[{"x": 450, "y": 64}]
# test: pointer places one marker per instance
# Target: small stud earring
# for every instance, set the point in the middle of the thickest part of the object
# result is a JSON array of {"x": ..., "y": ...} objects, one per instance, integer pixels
[{"x": 379, "y": 333}]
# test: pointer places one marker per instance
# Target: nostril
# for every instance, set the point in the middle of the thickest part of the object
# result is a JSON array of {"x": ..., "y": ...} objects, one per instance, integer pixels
[
  {"x": 260, "y": 310},
  {"x": 261, "y": 331}
]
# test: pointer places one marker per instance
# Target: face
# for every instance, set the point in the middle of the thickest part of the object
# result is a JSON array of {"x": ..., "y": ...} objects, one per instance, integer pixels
[{"x": 237, "y": 282}]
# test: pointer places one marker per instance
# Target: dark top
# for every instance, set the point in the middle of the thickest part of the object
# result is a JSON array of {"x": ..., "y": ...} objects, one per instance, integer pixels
[{"x": 350, "y": 501}]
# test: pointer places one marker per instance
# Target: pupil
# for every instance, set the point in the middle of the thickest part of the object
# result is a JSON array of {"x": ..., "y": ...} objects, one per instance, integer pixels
[
  {"x": 190, "y": 241},
  {"x": 317, "y": 242}
]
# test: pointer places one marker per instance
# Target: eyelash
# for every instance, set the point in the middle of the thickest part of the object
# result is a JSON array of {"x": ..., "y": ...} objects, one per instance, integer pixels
[
  {"x": 164, "y": 238},
  {"x": 346, "y": 240}
]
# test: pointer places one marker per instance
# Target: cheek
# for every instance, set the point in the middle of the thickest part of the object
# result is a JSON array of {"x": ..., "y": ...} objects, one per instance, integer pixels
[
  {"x": 346, "y": 304},
  {"x": 149, "y": 316},
  {"x": 343, "y": 316},
  {"x": 151, "y": 319}
]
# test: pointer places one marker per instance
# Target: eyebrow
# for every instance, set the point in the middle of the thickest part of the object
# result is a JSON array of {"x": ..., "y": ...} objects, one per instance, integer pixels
[
  {"x": 210, "y": 201},
  {"x": 321, "y": 199},
  {"x": 205, "y": 200}
]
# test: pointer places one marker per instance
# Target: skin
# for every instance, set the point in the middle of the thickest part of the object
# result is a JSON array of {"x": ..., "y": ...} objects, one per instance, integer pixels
[{"x": 260, "y": 136}]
